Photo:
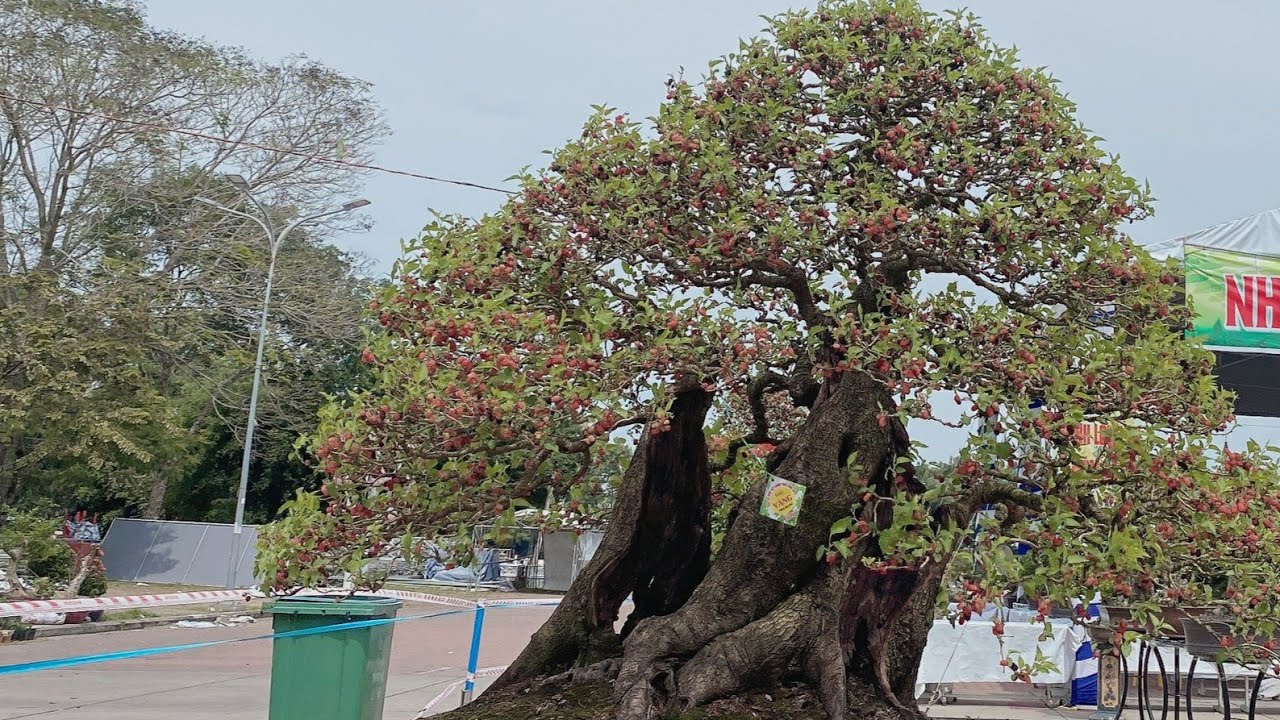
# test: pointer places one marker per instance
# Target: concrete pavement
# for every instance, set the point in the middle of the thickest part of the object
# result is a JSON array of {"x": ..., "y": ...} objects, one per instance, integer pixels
[{"x": 231, "y": 682}]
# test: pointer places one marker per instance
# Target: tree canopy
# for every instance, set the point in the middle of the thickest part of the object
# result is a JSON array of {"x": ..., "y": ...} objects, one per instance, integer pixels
[{"x": 130, "y": 308}]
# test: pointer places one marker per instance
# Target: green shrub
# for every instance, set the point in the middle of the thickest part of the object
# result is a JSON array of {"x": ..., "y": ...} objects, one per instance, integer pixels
[
  {"x": 12, "y": 623},
  {"x": 31, "y": 538},
  {"x": 95, "y": 585},
  {"x": 53, "y": 560}
]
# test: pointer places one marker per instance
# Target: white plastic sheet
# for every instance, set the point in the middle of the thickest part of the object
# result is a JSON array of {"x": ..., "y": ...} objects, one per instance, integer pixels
[
  {"x": 45, "y": 618},
  {"x": 1008, "y": 614},
  {"x": 588, "y": 542}
]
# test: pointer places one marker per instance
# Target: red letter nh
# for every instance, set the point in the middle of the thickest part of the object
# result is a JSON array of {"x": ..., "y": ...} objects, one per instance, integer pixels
[
  {"x": 1268, "y": 305},
  {"x": 1240, "y": 301}
]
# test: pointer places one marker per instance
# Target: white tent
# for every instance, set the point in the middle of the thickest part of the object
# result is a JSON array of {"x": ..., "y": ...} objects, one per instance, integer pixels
[
  {"x": 1254, "y": 235},
  {"x": 1232, "y": 276}
]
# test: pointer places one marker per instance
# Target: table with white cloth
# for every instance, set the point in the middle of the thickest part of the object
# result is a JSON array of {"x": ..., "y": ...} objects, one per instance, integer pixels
[{"x": 970, "y": 653}]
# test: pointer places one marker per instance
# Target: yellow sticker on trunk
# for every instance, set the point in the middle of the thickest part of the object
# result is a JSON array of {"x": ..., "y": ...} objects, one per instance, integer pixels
[{"x": 782, "y": 500}]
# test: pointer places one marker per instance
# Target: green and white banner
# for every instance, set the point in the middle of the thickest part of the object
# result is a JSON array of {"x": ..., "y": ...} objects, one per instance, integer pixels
[{"x": 1235, "y": 297}]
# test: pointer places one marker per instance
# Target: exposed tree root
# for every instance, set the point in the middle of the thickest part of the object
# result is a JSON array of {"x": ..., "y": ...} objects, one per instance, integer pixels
[
  {"x": 765, "y": 652},
  {"x": 757, "y": 616},
  {"x": 603, "y": 671}
]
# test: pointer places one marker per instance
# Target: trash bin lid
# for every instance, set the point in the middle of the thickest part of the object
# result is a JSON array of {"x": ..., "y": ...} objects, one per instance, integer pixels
[{"x": 366, "y": 605}]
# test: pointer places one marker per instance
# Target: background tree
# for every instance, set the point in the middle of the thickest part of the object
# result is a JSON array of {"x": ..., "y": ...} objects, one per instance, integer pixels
[
  {"x": 867, "y": 211},
  {"x": 130, "y": 309},
  {"x": 201, "y": 493}
]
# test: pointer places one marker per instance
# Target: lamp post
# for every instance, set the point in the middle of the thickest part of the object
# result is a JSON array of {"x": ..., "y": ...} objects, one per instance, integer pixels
[{"x": 263, "y": 219}]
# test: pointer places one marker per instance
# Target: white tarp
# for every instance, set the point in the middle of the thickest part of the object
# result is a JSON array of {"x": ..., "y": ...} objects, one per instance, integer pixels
[
  {"x": 1257, "y": 235},
  {"x": 588, "y": 543},
  {"x": 558, "y": 549},
  {"x": 565, "y": 554},
  {"x": 1205, "y": 669}
]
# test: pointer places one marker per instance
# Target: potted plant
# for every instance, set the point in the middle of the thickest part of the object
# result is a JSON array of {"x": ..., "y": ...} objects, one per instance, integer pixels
[
  {"x": 1164, "y": 620},
  {"x": 13, "y": 629}
]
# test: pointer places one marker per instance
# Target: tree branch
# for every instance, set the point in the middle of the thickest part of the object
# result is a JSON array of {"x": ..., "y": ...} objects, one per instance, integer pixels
[{"x": 996, "y": 491}]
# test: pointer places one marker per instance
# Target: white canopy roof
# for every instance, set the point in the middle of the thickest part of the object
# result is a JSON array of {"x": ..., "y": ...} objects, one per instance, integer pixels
[{"x": 1257, "y": 235}]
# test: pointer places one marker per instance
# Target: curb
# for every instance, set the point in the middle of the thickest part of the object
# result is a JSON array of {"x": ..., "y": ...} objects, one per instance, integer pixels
[{"x": 91, "y": 628}]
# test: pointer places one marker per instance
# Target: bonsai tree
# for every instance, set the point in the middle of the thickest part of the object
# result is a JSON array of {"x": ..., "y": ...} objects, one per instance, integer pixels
[{"x": 866, "y": 214}]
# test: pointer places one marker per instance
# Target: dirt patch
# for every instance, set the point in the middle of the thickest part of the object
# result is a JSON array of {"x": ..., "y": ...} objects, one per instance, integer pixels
[
  {"x": 578, "y": 702},
  {"x": 788, "y": 703},
  {"x": 595, "y": 702},
  {"x": 124, "y": 587}
]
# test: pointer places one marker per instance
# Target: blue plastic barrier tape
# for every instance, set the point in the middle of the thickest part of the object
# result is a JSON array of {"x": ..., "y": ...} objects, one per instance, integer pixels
[{"x": 78, "y": 660}]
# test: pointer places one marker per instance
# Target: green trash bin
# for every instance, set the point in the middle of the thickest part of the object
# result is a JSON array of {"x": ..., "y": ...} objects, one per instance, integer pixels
[{"x": 339, "y": 675}]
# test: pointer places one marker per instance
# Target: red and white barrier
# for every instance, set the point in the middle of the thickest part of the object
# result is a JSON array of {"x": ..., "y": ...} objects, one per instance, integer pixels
[
  {"x": 426, "y": 598},
  {"x": 524, "y": 602},
  {"x": 485, "y": 672},
  {"x": 411, "y": 596},
  {"x": 26, "y": 607},
  {"x": 406, "y": 595}
]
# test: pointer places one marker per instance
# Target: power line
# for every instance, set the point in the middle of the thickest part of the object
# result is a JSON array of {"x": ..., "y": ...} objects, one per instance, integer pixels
[{"x": 256, "y": 146}]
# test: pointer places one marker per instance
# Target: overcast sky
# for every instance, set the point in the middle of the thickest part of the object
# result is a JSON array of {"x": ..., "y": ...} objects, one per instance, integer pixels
[{"x": 1184, "y": 91}]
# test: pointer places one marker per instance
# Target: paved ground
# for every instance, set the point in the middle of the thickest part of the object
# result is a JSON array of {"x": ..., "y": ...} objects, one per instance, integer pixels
[
  {"x": 1015, "y": 701},
  {"x": 230, "y": 682}
]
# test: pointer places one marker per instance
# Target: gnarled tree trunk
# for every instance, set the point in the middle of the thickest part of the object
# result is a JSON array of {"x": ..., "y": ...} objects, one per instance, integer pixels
[
  {"x": 657, "y": 548},
  {"x": 766, "y": 612}
]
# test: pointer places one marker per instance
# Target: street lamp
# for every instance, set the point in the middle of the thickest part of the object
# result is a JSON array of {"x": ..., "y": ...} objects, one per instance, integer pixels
[{"x": 263, "y": 219}]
